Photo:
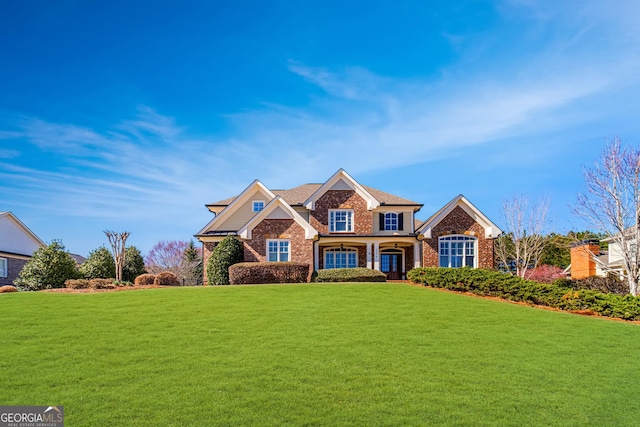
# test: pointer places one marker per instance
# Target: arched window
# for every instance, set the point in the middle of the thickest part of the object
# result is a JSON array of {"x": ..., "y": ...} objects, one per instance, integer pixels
[
  {"x": 391, "y": 221},
  {"x": 340, "y": 258},
  {"x": 457, "y": 251}
]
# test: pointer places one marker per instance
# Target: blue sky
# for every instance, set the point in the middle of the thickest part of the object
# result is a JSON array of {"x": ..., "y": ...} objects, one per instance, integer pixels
[{"x": 132, "y": 115}]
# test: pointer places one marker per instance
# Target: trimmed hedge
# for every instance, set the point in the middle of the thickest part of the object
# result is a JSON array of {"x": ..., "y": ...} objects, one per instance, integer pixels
[
  {"x": 359, "y": 274},
  {"x": 228, "y": 252},
  {"x": 166, "y": 278},
  {"x": 268, "y": 272},
  {"x": 76, "y": 284},
  {"x": 145, "y": 279},
  {"x": 501, "y": 285},
  {"x": 102, "y": 284}
]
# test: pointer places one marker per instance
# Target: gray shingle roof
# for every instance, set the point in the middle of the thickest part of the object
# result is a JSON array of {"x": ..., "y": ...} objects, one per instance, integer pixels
[{"x": 298, "y": 195}]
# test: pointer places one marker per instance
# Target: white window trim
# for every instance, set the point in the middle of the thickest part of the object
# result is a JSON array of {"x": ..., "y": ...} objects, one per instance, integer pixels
[
  {"x": 397, "y": 221},
  {"x": 332, "y": 212},
  {"x": 253, "y": 205},
  {"x": 337, "y": 249},
  {"x": 278, "y": 240},
  {"x": 4, "y": 271},
  {"x": 467, "y": 239}
]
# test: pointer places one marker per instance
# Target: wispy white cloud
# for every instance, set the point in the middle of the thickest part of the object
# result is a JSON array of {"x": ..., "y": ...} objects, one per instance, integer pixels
[{"x": 151, "y": 165}]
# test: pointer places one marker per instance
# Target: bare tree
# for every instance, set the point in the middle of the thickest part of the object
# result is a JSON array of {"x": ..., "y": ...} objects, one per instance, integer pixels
[
  {"x": 117, "y": 241},
  {"x": 522, "y": 245},
  {"x": 611, "y": 203}
]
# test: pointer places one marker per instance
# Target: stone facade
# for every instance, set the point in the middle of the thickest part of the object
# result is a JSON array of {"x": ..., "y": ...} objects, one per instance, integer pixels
[
  {"x": 342, "y": 199},
  {"x": 458, "y": 222}
]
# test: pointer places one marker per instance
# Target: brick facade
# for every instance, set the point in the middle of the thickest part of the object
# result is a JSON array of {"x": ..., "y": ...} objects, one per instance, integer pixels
[
  {"x": 457, "y": 222},
  {"x": 342, "y": 199},
  {"x": 301, "y": 249},
  {"x": 14, "y": 266}
]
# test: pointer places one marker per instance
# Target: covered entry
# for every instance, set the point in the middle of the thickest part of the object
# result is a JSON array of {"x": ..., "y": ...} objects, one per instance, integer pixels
[{"x": 391, "y": 263}]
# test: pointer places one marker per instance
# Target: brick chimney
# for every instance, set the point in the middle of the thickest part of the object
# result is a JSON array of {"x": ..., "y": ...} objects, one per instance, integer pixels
[{"x": 582, "y": 262}]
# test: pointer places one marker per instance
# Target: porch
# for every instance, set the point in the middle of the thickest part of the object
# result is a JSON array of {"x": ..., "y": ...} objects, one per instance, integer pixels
[{"x": 393, "y": 255}]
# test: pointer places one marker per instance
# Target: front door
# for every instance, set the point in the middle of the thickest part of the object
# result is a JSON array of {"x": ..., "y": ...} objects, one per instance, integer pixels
[{"x": 391, "y": 264}]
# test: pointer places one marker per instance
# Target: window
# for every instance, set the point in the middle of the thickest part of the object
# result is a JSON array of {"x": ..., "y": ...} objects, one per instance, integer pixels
[
  {"x": 277, "y": 250},
  {"x": 457, "y": 251},
  {"x": 3, "y": 267},
  {"x": 340, "y": 258},
  {"x": 258, "y": 205},
  {"x": 340, "y": 221},
  {"x": 391, "y": 221}
]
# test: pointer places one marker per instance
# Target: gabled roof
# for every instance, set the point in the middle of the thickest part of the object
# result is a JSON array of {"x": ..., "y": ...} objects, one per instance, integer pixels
[
  {"x": 342, "y": 176},
  {"x": 235, "y": 204},
  {"x": 297, "y": 196},
  {"x": 490, "y": 229},
  {"x": 23, "y": 227},
  {"x": 275, "y": 209}
]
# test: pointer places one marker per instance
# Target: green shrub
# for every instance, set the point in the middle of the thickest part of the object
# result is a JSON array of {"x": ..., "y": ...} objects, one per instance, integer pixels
[
  {"x": 359, "y": 274},
  {"x": 99, "y": 265},
  {"x": 48, "y": 268},
  {"x": 77, "y": 284},
  {"x": 559, "y": 295},
  {"x": 166, "y": 278},
  {"x": 102, "y": 284},
  {"x": 133, "y": 264},
  {"x": 268, "y": 272},
  {"x": 122, "y": 283},
  {"x": 226, "y": 253},
  {"x": 145, "y": 279}
]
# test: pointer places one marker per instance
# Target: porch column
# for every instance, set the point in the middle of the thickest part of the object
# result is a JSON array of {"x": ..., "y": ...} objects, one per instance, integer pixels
[
  {"x": 316, "y": 256},
  {"x": 369, "y": 263},
  {"x": 417, "y": 259},
  {"x": 376, "y": 255}
]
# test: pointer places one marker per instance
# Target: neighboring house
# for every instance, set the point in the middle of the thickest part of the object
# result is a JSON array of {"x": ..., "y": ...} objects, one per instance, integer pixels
[
  {"x": 587, "y": 260},
  {"x": 17, "y": 244},
  {"x": 343, "y": 224}
]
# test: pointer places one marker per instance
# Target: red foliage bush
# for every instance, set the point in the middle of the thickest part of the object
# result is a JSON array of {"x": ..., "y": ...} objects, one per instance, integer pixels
[
  {"x": 8, "y": 288},
  {"x": 268, "y": 272},
  {"x": 545, "y": 273},
  {"x": 145, "y": 279},
  {"x": 166, "y": 278}
]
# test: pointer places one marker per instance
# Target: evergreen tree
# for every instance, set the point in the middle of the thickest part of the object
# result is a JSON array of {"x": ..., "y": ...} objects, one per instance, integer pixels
[
  {"x": 228, "y": 252},
  {"x": 133, "y": 264},
  {"x": 49, "y": 267},
  {"x": 193, "y": 262},
  {"x": 99, "y": 265}
]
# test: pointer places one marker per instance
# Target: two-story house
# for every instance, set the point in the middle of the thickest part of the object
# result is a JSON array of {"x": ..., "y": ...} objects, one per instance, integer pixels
[{"x": 343, "y": 224}]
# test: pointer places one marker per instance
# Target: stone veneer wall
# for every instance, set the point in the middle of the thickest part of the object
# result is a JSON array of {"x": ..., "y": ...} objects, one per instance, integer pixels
[
  {"x": 457, "y": 222},
  {"x": 342, "y": 199}
]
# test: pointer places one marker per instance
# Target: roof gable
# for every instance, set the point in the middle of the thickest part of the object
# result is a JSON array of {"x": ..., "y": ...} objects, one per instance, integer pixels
[
  {"x": 244, "y": 197},
  {"x": 490, "y": 229},
  {"x": 277, "y": 209},
  {"x": 341, "y": 180},
  {"x": 16, "y": 237}
]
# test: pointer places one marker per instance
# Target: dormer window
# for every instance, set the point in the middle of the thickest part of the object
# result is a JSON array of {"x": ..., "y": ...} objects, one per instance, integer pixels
[
  {"x": 391, "y": 221},
  {"x": 341, "y": 221},
  {"x": 258, "y": 205}
]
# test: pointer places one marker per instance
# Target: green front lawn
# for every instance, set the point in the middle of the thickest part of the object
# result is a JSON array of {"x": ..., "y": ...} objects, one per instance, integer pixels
[{"x": 360, "y": 354}]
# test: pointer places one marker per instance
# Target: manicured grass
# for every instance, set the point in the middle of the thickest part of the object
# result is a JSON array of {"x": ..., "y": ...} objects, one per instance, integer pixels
[{"x": 337, "y": 354}]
